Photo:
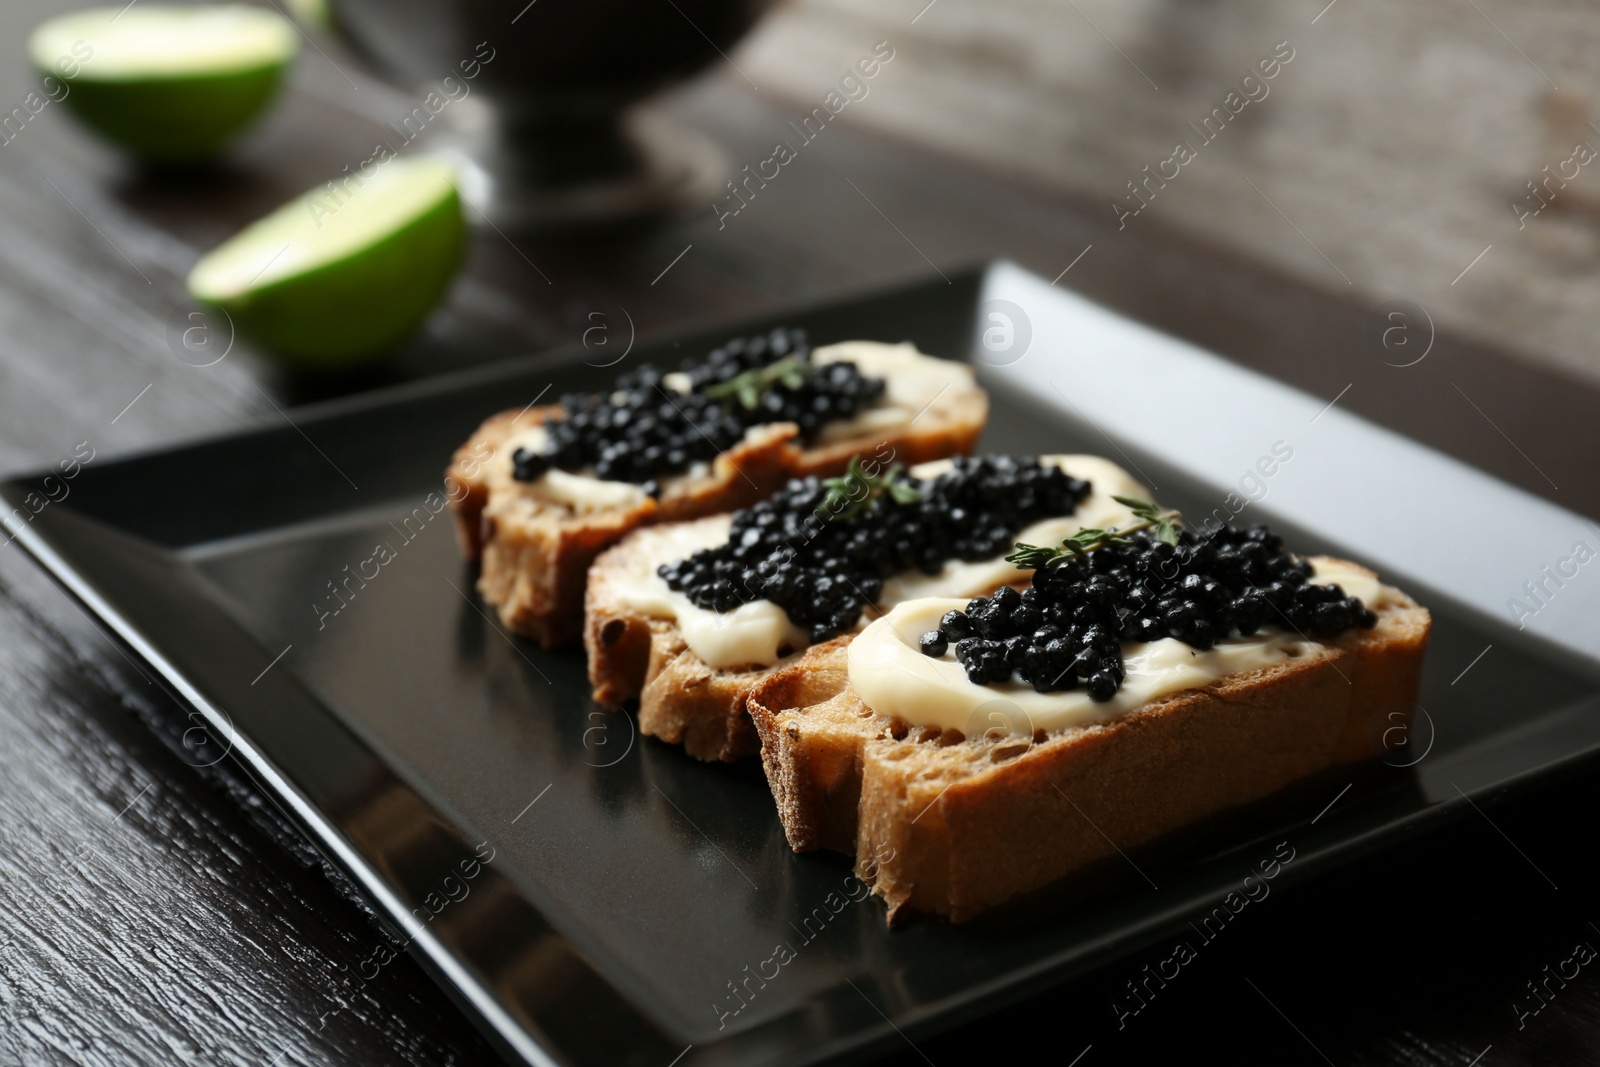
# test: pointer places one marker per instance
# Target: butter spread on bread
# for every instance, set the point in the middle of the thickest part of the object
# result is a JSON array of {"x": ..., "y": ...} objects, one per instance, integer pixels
[
  {"x": 894, "y": 678},
  {"x": 914, "y": 386},
  {"x": 759, "y": 633}
]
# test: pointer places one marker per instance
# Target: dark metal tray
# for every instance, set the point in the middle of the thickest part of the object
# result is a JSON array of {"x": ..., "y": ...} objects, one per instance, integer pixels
[{"x": 598, "y": 898}]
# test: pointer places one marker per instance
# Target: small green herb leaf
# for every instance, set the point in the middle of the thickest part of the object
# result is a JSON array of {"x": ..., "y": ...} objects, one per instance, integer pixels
[
  {"x": 1161, "y": 522},
  {"x": 858, "y": 489},
  {"x": 750, "y": 386},
  {"x": 1031, "y": 557},
  {"x": 904, "y": 492}
]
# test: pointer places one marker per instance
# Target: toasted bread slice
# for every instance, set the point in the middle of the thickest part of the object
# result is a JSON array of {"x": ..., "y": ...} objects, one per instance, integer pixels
[
  {"x": 536, "y": 544},
  {"x": 943, "y": 823}
]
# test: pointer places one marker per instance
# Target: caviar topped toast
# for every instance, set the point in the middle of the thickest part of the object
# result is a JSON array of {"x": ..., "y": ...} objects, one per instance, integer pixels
[
  {"x": 687, "y": 617},
  {"x": 969, "y": 751},
  {"x": 542, "y": 491}
]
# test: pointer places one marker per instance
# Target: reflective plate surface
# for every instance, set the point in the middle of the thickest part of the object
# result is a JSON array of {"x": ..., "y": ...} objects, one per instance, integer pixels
[{"x": 598, "y": 898}]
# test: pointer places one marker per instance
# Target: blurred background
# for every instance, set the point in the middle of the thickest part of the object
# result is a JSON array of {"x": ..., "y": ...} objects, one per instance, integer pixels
[
  {"x": 1392, "y": 156},
  {"x": 1396, "y": 141}
]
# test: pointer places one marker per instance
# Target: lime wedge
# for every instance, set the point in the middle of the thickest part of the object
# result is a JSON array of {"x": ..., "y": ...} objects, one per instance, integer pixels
[
  {"x": 345, "y": 271},
  {"x": 169, "y": 84}
]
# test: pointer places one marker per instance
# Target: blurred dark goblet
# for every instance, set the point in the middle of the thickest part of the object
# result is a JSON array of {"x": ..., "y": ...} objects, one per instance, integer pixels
[{"x": 563, "y": 143}]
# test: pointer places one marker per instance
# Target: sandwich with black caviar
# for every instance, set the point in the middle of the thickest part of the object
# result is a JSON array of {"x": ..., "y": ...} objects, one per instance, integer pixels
[
  {"x": 688, "y": 617},
  {"x": 539, "y": 492},
  {"x": 1149, "y": 677}
]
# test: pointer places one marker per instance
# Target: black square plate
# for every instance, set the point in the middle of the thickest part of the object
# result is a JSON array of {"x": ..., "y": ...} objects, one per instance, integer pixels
[{"x": 598, "y": 898}]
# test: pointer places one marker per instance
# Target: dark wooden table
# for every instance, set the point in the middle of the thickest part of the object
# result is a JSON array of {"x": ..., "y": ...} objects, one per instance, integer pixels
[{"x": 151, "y": 911}]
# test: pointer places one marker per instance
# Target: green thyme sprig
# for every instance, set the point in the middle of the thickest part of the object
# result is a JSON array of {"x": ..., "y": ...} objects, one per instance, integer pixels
[
  {"x": 853, "y": 492},
  {"x": 1164, "y": 523},
  {"x": 751, "y": 385}
]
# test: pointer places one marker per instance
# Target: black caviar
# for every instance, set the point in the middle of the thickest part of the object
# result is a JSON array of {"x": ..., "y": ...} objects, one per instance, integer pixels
[
  {"x": 643, "y": 430},
  {"x": 823, "y": 559},
  {"x": 1067, "y": 628}
]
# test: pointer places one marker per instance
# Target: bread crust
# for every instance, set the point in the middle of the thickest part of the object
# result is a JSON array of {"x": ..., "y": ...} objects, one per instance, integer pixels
[
  {"x": 470, "y": 470},
  {"x": 954, "y": 826},
  {"x": 813, "y": 730},
  {"x": 688, "y": 703},
  {"x": 682, "y": 699},
  {"x": 535, "y": 554}
]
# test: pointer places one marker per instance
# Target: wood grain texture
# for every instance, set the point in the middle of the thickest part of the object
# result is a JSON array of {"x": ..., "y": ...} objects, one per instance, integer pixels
[{"x": 147, "y": 915}]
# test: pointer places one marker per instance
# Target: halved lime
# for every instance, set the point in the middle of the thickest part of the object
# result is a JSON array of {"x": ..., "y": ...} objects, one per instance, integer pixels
[
  {"x": 169, "y": 84},
  {"x": 345, "y": 271}
]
